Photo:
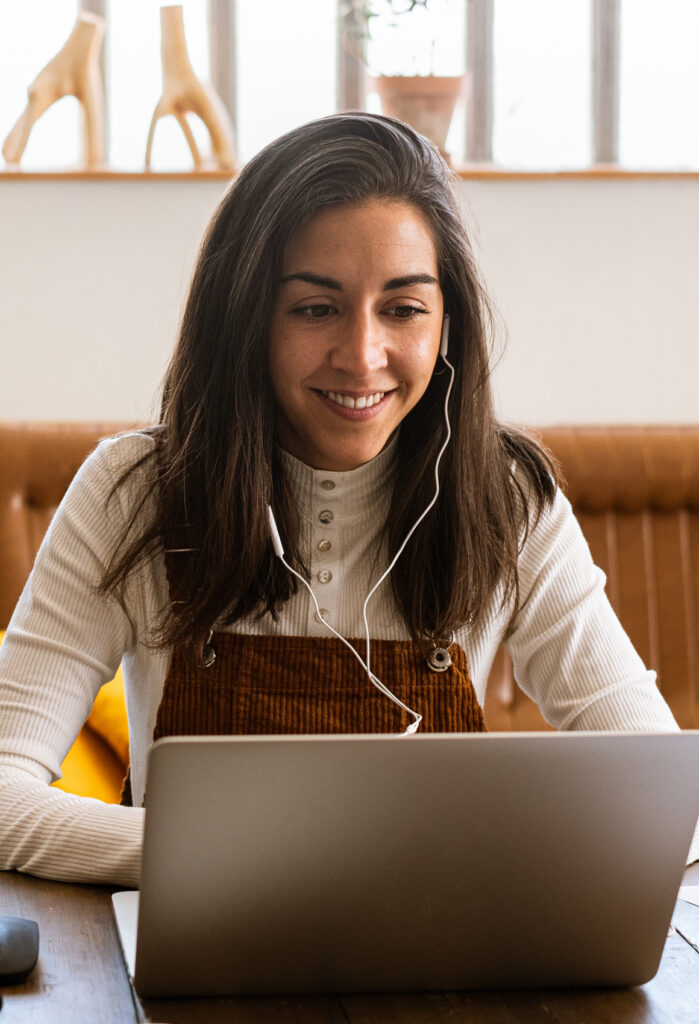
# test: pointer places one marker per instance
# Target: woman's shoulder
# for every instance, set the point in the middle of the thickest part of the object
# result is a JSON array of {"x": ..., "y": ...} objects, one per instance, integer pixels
[
  {"x": 550, "y": 533},
  {"x": 121, "y": 454},
  {"x": 119, "y": 467},
  {"x": 121, "y": 451},
  {"x": 530, "y": 462}
]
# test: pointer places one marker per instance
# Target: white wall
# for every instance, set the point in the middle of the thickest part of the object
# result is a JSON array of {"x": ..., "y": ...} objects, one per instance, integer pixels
[
  {"x": 596, "y": 281},
  {"x": 92, "y": 276}
]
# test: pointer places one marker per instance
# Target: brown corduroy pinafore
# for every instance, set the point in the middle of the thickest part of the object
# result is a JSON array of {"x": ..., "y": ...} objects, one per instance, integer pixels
[
  {"x": 306, "y": 684},
  {"x": 262, "y": 685}
]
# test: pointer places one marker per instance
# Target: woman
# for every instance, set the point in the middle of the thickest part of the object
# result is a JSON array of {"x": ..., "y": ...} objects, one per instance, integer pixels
[{"x": 332, "y": 365}]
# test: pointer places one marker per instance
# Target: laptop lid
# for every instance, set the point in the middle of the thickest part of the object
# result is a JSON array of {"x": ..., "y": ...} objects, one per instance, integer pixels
[{"x": 379, "y": 863}]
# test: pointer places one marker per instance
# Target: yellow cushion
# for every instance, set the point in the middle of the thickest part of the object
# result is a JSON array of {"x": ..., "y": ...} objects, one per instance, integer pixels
[
  {"x": 108, "y": 717},
  {"x": 91, "y": 768},
  {"x": 96, "y": 763}
]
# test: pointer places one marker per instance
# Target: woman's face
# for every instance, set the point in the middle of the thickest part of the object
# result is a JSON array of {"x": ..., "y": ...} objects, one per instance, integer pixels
[{"x": 355, "y": 331}]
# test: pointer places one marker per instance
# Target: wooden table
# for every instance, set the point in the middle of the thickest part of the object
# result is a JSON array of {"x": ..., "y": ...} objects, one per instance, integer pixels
[{"x": 81, "y": 978}]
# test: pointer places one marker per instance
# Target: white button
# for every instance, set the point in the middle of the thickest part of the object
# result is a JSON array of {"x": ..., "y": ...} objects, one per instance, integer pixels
[
  {"x": 326, "y": 516},
  {"x": 324, "y": 615},
  {"x": 324, "y": 576},
  {"x": 328, "y": 485},
  {"x": 324, "y": 545}
]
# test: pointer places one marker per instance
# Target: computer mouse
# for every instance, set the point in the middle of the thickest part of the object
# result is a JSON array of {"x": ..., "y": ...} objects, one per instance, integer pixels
[{"x": 19, "y": 948}]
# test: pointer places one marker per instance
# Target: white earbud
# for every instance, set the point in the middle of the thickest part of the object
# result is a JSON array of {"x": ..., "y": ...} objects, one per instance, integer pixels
[
  {"x": 276, "y": 539},
  {"x": 444, "y": 342}
]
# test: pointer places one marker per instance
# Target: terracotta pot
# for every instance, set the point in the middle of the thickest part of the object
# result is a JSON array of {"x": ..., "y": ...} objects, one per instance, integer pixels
[{"x": 426, "y": 102}]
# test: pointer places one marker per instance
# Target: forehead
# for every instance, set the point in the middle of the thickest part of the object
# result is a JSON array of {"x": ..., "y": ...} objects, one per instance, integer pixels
[{"x": 373, "y": 231}]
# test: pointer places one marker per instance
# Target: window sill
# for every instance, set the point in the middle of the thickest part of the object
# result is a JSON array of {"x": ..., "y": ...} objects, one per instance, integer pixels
[
  {"x": 469, "y": 172},
  {"x": 75, "y": 174},
  {"x": 474, "y": 172}
]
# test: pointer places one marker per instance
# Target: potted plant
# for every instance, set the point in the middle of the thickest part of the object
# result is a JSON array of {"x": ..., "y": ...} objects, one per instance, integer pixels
[{"x": 410, "y": 90}]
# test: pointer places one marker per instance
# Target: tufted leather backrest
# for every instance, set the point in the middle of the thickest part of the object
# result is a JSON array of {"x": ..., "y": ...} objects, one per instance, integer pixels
[{"x": 635, "y": 491}]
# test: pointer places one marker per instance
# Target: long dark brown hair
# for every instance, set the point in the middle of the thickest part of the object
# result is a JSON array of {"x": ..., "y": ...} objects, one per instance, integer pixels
[{"x": 216, "y": 465}]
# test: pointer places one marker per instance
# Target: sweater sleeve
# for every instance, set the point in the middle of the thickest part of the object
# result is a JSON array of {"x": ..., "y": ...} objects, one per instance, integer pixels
[
  {"x": 63, "y": 642},
  {"x": 569, "y": 650}
]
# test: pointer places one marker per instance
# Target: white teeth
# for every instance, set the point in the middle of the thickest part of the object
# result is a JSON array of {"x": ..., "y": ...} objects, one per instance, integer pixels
[{"x": 363, "y": 402}]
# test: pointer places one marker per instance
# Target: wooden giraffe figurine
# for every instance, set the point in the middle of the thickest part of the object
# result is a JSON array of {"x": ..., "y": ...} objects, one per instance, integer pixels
[
  {"x": 74, "y": 71},
  {"x": 183, "y": 92}
]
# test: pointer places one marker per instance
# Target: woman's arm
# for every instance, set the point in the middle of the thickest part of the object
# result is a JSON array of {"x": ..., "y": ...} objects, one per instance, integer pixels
[
  {"x": 46, "y": 832},
  {"x": 63, "y": 643},
  {"x": 570, "y": 653}
]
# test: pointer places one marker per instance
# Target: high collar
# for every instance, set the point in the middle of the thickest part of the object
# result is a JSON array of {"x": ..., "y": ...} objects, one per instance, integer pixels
[{"x": 357, "y": 489}]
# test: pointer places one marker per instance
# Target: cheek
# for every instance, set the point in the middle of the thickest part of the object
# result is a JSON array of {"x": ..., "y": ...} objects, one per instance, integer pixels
[
  {"x": 421, "y": 359},
  {"x": 292, "y": 360}
]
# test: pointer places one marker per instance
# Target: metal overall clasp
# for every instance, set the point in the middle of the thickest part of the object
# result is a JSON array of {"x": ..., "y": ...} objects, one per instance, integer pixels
[{"x": 439, "y": 658}]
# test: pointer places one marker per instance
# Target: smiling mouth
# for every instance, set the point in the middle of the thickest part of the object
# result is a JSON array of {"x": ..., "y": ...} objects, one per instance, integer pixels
[{"x": 348, "y": 402}]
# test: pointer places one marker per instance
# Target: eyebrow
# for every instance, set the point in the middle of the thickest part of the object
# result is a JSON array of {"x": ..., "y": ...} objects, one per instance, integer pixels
[
  {"x": 407, "y": 280},
  {"x": 322, "y": 282},
  {"x": 389, "y": 286}
]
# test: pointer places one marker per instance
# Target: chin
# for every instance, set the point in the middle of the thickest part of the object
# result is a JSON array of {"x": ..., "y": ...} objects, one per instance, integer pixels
[{"x": 336, "y": 457}]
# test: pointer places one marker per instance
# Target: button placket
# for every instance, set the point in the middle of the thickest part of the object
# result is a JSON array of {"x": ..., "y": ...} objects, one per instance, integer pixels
[
  {"x": 324, "y": 554},
  {"x": 327, "y": 598}
]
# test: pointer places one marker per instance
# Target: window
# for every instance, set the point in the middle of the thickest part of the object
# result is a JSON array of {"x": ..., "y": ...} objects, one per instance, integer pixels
[
  {"x": 542, "y": 84},
  {"x": 659, "y": 84},
  {"x": 551, "y": 83},
  {"x": 286, "y": 61}
]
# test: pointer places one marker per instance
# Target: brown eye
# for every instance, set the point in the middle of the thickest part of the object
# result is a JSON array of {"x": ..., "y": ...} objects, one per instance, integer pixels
[
  {"x": 319, "y": 311},
  {"x": 406, "y": 312}
]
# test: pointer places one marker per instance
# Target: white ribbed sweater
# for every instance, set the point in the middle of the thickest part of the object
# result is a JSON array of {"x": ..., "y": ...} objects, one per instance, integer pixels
[{"x": 570, "y": 653}]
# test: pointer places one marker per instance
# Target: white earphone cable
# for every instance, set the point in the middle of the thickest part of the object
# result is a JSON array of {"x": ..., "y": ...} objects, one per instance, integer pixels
[
  {"x": 279, "y": 551},
  {"x": 374, "y": 679},
  {"x": 417, "y": 522}
]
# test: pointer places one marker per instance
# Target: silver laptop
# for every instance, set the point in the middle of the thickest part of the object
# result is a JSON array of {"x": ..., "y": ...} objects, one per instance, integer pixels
[{"x": 379, "y": 863}]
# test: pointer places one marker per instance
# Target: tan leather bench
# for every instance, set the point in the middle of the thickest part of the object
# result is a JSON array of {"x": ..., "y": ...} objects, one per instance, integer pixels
[{"x": 635, "y": 491}]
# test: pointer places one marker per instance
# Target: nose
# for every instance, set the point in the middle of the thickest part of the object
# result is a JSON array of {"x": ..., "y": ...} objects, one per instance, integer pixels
[{"x": 359, "y": 348}]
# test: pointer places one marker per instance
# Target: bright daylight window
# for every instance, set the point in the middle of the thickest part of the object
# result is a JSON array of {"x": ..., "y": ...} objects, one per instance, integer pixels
[
  {"x": 286, "y": 67},
  {"x": 536, "y": 80},
  {"x": 542, "y": 84},
  {"x": 659, "y": 84}
]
